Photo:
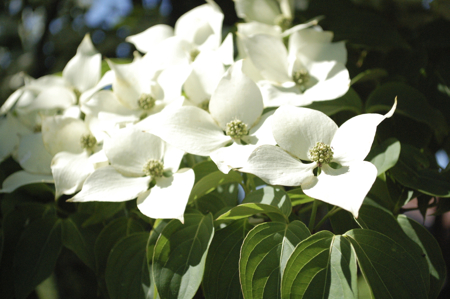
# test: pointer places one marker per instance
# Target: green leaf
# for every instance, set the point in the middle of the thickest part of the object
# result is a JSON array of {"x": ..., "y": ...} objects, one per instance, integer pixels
[
  {"x": 385, "y": 155},
  {"x": 411, "y": 103},
  {"x": 342, "y": 221},
  {"x": 204, "y": 168},
  {"x": 222, "y": 198},
  {"x": 298, "y": 197},
  {"x": 107, "y": 239},
  {"x": 209, "y": 182},
  {"x": 375, "y": 74},
  {"x": 80, "y": 240},
  {"x": 322, "y": 266},
  {"x": 433, "y": 254},
  {"x": 377, "y": 218},
  {"x": 126, "y": 270},
  {"x": 412, "y": 171},
  {"x": 250, "y": 209},
  {"x": 356, "y": 25},
  {"x": 221, "y": 278},
  {"x": 264, "y": 254},
  {"x": 179, "y": 256},
  {"x": 102, "y": 211},
  {"x": 348, "y": 102},
  {"x": 36, "y": 254},
  {"x": 273, "y": 196},
  {"x": 389, "y": 269}
]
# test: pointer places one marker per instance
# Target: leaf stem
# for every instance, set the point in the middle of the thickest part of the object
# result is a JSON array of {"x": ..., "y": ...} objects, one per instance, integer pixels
[{"x": 312, "y": 220}]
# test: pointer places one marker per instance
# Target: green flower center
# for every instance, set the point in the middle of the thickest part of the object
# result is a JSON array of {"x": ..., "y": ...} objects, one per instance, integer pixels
[
  {"x": 236, "y": 129},
  {"x": 301, "y": 77},
  {"x": 146, "y": 101},
  {"x": 88, "y": 141},
  {"x": 153, "y": 168},
  {"x": 194, "y": 53},
  {"x": 283, "y": 21},
  {"x": 321, "y": 153}
]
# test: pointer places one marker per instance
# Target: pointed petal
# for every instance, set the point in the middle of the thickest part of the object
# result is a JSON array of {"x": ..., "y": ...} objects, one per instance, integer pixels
[
  {"x": 32, "y": 155},
  {"x": 106, "y": 80},
  {"x": 260, "y": 11},
  {"x": 198, "y": 24},
  {"x": 168, "y": 198},
  {"x": 191, "y": 129},
  {"x": 171, "y": 51},
  {"x": 84, "y": 69},
  {"x": 296, "y": 130},
  {"x": 70, "y": 171},
  {"x": 22, "y": 178},
  {"x": 276, "y": 167},
  {"x": 172, "y": 79},
  {"x": 232, "y": 157},
  {"x": 172, "y": 157},
  {"x": 226, "y": 50},
  {"x": 269, "y": 55},
  {"x": 353, "y": 140},
  {"x": 207, "y": 70},
  {"x": 275, "y": 96},
  {"x": 129, "y": 149},
  {"x": 345, "y": 187},
  {"x": 147, "y": 39},
  {"x": 128, "y": 84},
  {"x": 236, "y": 97},
  {"x": 106, "y": 184}
]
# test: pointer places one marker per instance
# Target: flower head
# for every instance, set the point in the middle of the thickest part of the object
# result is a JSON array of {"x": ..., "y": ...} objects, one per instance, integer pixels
[{"x": 308, "y": 139}]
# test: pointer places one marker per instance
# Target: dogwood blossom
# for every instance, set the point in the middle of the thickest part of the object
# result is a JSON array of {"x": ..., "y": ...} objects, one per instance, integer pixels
[
  {"x": 142, "y": 166},
  {"x": 235, "y": 118},
  {"x": 326, "y": 161}
]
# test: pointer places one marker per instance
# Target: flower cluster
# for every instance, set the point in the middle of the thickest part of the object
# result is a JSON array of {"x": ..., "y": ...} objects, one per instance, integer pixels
[{"x": 122, "y": 135}]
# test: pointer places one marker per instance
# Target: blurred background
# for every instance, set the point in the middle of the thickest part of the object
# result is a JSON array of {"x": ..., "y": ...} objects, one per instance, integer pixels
[{"x": 409, "y": 40}]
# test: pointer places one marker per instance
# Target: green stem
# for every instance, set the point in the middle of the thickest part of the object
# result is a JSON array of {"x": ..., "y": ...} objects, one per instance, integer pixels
[
  {"x": 312, "y": 220},
  {"x": 333, "y": 211}
]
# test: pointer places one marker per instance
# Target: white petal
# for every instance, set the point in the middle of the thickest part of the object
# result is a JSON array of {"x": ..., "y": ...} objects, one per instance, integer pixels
[
  {"x": 11, "y": 101},
  {"x": 22, "y": 178},
  {"x": 84, "y": 69},
  {"x": 51, "y": 98},
  {"x": 190, "y": 129},
  {"x": 32, "y": 155},
  {"x": 172, "y": 157},
  {"x": 171, "y": 51},
  {"x": 252, "y": 28},
  {"x": 106, "y": 80},
  {"x": 302, "y": 38},
  {"x": 172, "y": 79},
  {"x": 323, "y": 52},
  {"x": 236, "y": 97},
  {"x": 63, "y": 134},
  {"x": 269, "y": 55},
  {"x": 276, "y": 167},
  {"x": 129, "y": 149},
  {"x": 207, "y": 70},
  {"x": 262, "y": 132},
  {"x": 275, "y": 96},
  {"x": 232, "y": 157},
  {"x": 296, "y": 130},
  {"x": 168, "y": 198},
  {"x": 353, "y": 140},
  {"x": 147, "y": 39},
  {"x": 257, "y": 10},
  {"x": 198, "y": 24},
  {"x": 106, "y": 184},
  {"x": 128, "y": 84},
  {"x": 10, "y": 130},
  {"x": 226, "y": 50},
  {"x": 345, "y": 187},
  {"x": 70, "y": 171}
]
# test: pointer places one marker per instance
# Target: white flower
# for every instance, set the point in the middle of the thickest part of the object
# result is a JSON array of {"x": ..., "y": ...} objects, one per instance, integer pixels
[
  {"x": 234, "y": 118},
  {"x": 269, "y": 12},
  {"x": 311, "y": 69},
  {"x": 343, "y": 178},
  {"x": 139, "y": 159}
]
